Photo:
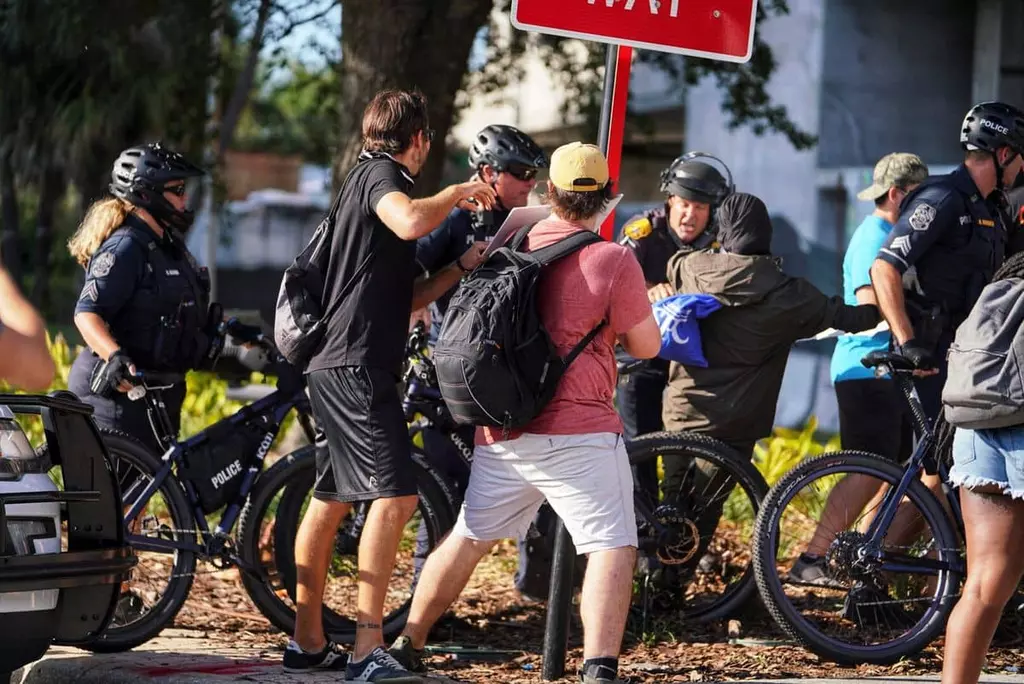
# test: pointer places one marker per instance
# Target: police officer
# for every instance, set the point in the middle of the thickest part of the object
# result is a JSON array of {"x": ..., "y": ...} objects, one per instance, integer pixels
[
  {"x": 947, "y": 244},
  {"x": 694, "y": 190},
  {"x": 145, "y": 303},
  {"x": 508, "y": 160}
]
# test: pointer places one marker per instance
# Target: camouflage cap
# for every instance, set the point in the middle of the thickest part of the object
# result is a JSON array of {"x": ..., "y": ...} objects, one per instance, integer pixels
[{"x": 898, "y": 169}]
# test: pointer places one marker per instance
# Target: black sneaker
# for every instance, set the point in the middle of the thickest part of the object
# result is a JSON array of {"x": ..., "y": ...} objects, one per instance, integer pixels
[
  {"x": 408, "y": 657},
  {"x": 297, "y": 660},
  {"x": 379, "y": 666},
  {"x": 812, "y": 570}
]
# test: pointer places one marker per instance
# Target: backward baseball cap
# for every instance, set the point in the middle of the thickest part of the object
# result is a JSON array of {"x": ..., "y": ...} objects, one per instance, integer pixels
[{"x": 898, "y": 169}]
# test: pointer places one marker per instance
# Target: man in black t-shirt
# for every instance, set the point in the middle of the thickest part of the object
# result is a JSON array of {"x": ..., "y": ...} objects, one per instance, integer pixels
[{"x": 363, "y": 448}]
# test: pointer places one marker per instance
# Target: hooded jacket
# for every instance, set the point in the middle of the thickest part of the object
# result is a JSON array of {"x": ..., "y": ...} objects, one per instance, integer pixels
[{"x": 747, "y": 341}]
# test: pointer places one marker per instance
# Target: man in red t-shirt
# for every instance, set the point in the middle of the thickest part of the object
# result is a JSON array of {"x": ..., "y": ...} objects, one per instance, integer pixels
[{"x": 572, "y": 454}]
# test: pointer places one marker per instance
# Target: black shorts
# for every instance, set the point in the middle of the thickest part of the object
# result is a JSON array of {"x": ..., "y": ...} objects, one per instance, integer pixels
[
  {"x": 874, "y": 417},
  {"x": 363, "y": 451}
]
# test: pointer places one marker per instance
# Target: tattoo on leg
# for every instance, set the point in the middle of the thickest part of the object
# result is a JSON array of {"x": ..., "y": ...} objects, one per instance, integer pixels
[{"x": 367, "y": 625}]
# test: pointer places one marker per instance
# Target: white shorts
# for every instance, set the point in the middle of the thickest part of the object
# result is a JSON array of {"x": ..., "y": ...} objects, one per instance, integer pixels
[{"x": 585, "y": 478}]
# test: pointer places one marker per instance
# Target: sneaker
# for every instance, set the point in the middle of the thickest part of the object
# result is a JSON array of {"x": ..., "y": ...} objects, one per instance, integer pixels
[
  {"x": 408, "y": 657},
  {"x": 330, "y": 658},
  {"x": 812, "y": 570},
  {"x": 379, "y": 666}
]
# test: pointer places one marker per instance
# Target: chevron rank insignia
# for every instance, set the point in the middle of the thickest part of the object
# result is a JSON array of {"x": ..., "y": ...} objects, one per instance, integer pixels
[
  {"x": 89, "y": 292},
  {"x": 638, "y": 229}
]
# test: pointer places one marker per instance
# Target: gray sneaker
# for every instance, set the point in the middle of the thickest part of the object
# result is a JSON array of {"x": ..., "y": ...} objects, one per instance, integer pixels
[
  {"x": 379, "y": 666},
  {"x": 812, "y": 570},
  {"x": 410, "y": 658},
  {"x": 589, "y": 679}
]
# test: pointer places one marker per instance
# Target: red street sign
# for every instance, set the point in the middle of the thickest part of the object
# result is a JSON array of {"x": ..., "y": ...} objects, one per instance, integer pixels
[{"x": 714, "y": 29}]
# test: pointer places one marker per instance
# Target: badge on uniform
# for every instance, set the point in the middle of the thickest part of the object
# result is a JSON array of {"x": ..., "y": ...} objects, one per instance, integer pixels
[
  {"x": 922, "y": 217},
  {"x": 101, "y": 265},
  {"x": 638, "y": 229},
  {"x": 988, "y": 223}
]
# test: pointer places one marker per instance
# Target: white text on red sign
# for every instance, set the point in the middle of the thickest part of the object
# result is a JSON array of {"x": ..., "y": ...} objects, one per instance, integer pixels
[{"x": 654, "y": 5}]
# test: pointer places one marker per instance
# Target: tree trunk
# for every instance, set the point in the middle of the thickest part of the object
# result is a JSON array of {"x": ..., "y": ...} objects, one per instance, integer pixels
[
  {"x": 51, "y": 189},
  {"x": 408, "y": 44},
  {"x": 240, "y": 93},
  {"x": 10, "y": 244}
]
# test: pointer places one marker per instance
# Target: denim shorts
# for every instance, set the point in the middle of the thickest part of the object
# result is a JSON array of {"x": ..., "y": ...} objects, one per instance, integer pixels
[{"x": 989, "y": 457}]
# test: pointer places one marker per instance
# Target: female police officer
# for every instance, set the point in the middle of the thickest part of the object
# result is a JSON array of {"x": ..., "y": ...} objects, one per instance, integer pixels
[{"x": 145, "y": 301}]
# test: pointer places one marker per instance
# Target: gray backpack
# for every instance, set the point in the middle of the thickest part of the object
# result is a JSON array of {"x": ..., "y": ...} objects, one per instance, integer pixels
[{"x": 985, "y": 387}]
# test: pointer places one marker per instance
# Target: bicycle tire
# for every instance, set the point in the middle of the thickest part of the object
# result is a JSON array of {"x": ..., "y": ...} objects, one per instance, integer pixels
[
  {"x": 771, "y": 588},
  {"x": 743, "y": 473},
  {"x": 115, "y": 639},
  {"x": 297, "y": 470}
]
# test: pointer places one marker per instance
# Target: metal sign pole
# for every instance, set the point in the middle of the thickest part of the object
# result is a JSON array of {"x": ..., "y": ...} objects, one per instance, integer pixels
[{"x": 556, "y": 630}]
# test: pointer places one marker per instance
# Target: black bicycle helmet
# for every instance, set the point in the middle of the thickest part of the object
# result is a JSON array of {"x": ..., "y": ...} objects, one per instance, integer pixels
[
  {"x": 990, "y": 126},
  {"x": 140, "y": 175},
  {"x": 500, "y": 147},
  {"x": 697, "y": 181}
]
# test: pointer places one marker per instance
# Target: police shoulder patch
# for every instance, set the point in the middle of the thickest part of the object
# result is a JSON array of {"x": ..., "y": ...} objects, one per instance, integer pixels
[
  {"x": 101, "y": 265},
  {"x": 638, "y": 229},
  {"x": 922, "y": 217}
]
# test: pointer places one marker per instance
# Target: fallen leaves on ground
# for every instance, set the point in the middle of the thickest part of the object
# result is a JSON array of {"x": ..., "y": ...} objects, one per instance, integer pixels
[{"x": 491, "y": 615}]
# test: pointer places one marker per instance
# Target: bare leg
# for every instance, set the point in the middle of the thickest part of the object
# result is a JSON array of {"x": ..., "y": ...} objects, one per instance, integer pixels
[
  {"x": 604, "y": 606},
  {"x": 995, "y": 532},
  {"x": 314, "y": 546},
  {"x": 845, "y": 503},
  {"x": 378, "y": 547},
  {"x": 444, "y": 576}
]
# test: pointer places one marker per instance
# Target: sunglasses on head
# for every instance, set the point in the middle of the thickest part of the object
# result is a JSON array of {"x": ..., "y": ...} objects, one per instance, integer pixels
[{"x": 523, "y": 173}]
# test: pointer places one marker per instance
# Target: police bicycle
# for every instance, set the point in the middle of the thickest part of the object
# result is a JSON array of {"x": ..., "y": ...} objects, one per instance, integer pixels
[
  {"x": 712, "y": 569},
  {"x": 893, "y": 575},
  {"x": 167, "y": 500}
]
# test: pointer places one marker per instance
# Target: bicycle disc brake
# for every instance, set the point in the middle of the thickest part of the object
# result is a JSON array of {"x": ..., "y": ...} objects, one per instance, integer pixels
[{"x": 682, "y": 539}]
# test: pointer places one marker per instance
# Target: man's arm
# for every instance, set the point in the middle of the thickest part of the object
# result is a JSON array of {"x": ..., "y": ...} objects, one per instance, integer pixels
[
  {"x": 887, "y": 283},
  {"x": 24, "y": 358},
  {"x": 411, "y": 219},
  {"x": 428, "y": 289}
]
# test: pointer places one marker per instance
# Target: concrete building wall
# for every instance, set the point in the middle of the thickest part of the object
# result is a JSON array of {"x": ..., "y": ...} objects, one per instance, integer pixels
[{"x": 896, "y": 76}]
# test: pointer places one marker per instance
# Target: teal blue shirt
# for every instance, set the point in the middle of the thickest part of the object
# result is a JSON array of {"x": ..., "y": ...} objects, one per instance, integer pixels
[{"x": 850, "y": 349}]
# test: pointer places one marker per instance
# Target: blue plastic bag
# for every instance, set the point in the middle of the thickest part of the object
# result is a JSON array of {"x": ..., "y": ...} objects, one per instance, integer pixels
[{"x": 677, "y": 318}]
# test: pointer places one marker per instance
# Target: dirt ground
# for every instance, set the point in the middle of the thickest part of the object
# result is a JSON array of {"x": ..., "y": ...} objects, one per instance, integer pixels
[{"x": 490, "y": 614}]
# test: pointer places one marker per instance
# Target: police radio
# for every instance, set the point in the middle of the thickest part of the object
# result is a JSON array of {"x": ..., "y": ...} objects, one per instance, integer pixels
[{"x": 482, "y": 224}]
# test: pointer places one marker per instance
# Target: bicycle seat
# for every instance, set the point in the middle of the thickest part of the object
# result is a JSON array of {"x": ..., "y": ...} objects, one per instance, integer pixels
[
  {"x": 888, "y": 358},
  {"x": 248, "y": 393}
]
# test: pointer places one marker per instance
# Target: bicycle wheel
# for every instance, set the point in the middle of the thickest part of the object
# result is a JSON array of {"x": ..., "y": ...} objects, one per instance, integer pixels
[
  {"x": 159, "y": 584},
  {"x": 871, "y": 603},
  {"x": 267, "y": 531},
  {"x": 706, "y": 521}
]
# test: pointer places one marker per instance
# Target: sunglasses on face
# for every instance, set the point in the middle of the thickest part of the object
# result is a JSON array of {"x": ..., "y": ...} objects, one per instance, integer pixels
[
  {"x": 429, "y": 135},
  {"x": 523, "y": 173},
  {"x": 178, "y": 190}
]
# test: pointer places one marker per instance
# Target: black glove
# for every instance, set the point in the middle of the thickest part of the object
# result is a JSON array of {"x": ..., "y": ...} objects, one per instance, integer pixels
[
  {"x": 242, "y": 333},
  {"x": 108, "y": 375},
  {"x": 917, "y": 354}
]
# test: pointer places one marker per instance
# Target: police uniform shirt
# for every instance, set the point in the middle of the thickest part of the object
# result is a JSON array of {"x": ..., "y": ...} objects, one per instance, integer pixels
[
  {"x": 1015, "y": 214},
  {"x": 131, "y": 290},
  {"x": 444, "y": 245},
  {"x": 947, "y": 243},
  {"x": 653, "y": 241}
]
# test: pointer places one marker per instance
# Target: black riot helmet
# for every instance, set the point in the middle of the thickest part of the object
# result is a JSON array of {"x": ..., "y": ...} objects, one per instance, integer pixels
[
  {"x": 506, "y": 148},
  {"x": 990, "y": 126},
  {"x": 697, "y": 181},
  {"x": 140, "y": 175}
]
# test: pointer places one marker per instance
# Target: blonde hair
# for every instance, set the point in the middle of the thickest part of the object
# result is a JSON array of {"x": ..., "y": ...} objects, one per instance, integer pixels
[{"x": 103, "y": 218}]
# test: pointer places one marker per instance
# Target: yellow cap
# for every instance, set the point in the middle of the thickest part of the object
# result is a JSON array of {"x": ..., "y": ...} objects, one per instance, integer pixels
[{"x": 578, "y": 168}]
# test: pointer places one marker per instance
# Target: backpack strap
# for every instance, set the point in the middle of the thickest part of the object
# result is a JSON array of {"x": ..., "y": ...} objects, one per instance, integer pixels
[
  {"x": 516, "y": 243},
  {"x": 565, "y": 247},
  {"x": 582, "y": 344}
]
